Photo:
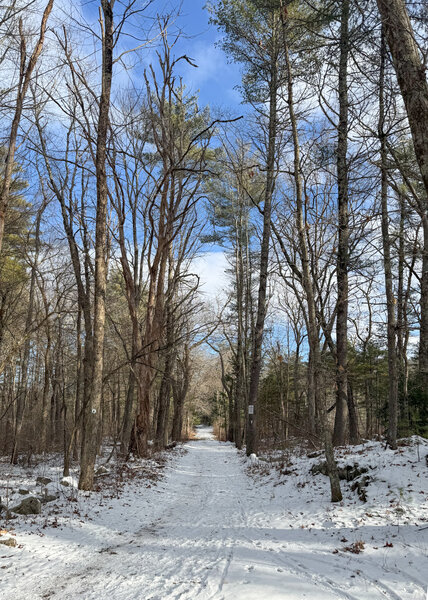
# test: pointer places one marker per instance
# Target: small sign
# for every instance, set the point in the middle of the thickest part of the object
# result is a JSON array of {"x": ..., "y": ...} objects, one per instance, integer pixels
[{"x": 251, "y": 409}]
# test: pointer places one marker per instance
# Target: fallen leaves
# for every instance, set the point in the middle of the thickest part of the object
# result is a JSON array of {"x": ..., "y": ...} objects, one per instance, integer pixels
[{"x": 355, "y": 548}]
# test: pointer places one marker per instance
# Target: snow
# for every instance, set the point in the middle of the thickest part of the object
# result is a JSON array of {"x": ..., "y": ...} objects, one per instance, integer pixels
[{"x": 218, "y": 526}]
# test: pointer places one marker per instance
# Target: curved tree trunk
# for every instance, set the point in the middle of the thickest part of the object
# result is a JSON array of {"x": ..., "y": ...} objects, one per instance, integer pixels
[{"x": 413, "y": 84}]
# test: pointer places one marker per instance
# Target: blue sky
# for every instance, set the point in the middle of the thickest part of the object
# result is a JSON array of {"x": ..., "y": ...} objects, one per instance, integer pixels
[{"x": 215, "y": 77}]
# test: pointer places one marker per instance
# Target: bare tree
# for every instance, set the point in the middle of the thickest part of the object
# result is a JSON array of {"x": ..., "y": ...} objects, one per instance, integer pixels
[{"x": 27, "y": 65}]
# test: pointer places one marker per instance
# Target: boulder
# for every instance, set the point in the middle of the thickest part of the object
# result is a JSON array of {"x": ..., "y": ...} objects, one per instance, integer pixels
[
  {"x": 65, "y": 483},
  {"x": 102, "y": 470},
  {"x": 48, "y": 497},
  {"x": 29, "y": 506},
  {"x": 348, "y": 472},
  {"x": 319, "y": 468},
  {"x": 361, "y": 487},
  {"x": 23, "y": 492},
  {"x": 351, "y": 472},
  {"x": 43, "y": 480}
]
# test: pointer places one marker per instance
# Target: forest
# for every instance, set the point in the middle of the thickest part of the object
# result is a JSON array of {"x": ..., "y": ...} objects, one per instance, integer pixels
[
  {"x": 305, "y": 178},
  {"x": 317, "y": 197}
]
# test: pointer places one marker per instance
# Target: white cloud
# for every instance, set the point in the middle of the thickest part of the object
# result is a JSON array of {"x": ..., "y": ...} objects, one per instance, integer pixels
[{"x": 211, "y": 267}]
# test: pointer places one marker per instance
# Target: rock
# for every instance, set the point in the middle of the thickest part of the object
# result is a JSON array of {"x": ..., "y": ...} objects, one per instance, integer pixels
[
  {"x": 29, "y": 506},
  {"x": 48, "y": 497},
  {"x": 43, "y": 480},
  {"x": 9, "y": 542},
  {"x": 319, "y": 468},
  {"x": 23, "y": 492},
  {"x": 65, "y": 483},
  {"x": 348, "y": 472},
  {"x": 102, "y": 470},
  {"x": 361, "y": 487},
  {"x": 351, "y": 472}
]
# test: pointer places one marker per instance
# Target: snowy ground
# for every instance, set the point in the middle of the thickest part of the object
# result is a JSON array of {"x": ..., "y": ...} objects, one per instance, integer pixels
[{"x": 215, "y": 527}]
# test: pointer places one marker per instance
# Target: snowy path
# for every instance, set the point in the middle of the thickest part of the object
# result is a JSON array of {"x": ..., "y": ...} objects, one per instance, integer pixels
[{"x": 206, "y": 532}]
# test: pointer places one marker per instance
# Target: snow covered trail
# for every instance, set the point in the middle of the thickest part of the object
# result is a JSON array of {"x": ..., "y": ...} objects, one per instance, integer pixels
[{"x": 206, "y": 532}]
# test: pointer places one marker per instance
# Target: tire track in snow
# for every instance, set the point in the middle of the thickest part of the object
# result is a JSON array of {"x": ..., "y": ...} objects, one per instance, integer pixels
[
  {"x": 302, "y": 572},
  {"x": 220, "y": 535},
  {"x": 205, "y": 535}
]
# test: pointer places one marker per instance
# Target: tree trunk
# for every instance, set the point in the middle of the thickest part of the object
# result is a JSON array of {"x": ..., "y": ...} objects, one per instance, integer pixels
[
  {"x": 93, "y": 408},
  {"x": 410, "y": 70},
  {"x": 343, "y": 236},
  {"x": 177, "y": 420},
  {"x": 411, "y": 77},
  {"x": 301, "y": 225},
  {"x": 240, "y": 356},
  {"x": 45, "y": 395},
  {"x": 314, "y": 367},
  {"x": 21, "y": 401},
  {"x": 79, "y": 386},
  {"x": 180, "y": 389},
  {"x": 354, "y": 434},
  {"x": 387, "y": 262},
  {"x": 402, "y": 323},
  {"x": 128, "y": 413},
  {"x": 161, "y": 438},
  {"x": 256, "y": 364},
  {"x": 423, "y": 340}
]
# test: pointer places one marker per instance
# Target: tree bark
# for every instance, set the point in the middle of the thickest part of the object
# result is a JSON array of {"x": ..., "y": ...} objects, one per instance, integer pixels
[
  {"x": 410, "y": 75},
  {"x": 410, "y": 71},
  {"x": 256, "y": 363},
  {"x": 423, "y": 339},
  {"x": 21, "y": 401},
  {"x": 180, "y": 389},
  {"x": 314, "y": 367},
  {"x": 387, "y": 262},
  {"x": 161, "y": 436},
  {"x": 343, "y": 236},
  {"x": 93, "y": 407}
]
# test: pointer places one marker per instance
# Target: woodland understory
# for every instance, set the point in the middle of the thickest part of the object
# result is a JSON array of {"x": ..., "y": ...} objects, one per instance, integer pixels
[{"x": 115, "y": 183}]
